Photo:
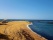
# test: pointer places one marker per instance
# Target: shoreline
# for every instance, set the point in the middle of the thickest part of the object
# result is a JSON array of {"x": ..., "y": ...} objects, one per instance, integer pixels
[
  {"x": 12, "y": 27},
  {"x": 33, "y": 31}
]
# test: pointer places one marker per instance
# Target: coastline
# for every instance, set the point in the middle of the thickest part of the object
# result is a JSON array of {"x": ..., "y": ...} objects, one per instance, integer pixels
[{"x": 21, "y": 25}]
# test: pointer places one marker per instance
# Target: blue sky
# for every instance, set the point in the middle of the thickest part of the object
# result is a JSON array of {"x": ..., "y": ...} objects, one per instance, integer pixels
[{"x": 26, "y": 9}]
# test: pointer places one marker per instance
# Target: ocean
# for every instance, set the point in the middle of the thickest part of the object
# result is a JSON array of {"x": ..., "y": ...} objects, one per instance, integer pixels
[{"x": 41, "y": 27}]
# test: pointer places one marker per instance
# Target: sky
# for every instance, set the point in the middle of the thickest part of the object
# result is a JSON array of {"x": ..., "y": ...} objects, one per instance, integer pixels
[{"x": 26, "y": 9}]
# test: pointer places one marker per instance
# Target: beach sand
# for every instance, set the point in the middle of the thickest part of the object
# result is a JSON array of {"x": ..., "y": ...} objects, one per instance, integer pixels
[{"x": 18, "y": 30}]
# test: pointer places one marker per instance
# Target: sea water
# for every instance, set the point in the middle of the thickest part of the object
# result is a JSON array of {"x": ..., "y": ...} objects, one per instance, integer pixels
[{"x": 43, "y": 28}]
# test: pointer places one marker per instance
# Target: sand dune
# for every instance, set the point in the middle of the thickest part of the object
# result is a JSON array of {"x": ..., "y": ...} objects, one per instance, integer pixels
[{"x": 18, "y": 30}]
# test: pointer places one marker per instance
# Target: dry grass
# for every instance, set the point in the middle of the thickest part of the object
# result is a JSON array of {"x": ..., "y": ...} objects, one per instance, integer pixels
[{"x": 18, "y": 30}]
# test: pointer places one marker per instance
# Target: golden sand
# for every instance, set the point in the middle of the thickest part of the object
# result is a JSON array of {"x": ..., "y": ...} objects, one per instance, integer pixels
[{"x": 18, "y": 30}]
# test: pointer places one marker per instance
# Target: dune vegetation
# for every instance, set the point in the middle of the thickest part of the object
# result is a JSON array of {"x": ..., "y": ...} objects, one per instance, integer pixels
[{"x": 18, "y": 30}]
